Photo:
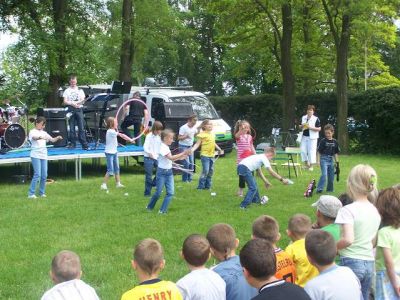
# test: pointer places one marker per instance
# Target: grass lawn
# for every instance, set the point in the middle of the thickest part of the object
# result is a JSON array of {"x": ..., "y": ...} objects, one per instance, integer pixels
[{"x": 103, "y": 228}]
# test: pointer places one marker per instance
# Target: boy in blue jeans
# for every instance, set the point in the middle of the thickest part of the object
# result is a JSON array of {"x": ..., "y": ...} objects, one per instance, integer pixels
[{"x": 328, "y": 149}]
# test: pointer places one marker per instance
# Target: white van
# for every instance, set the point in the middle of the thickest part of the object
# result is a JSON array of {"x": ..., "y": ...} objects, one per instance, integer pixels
[{"x": 101, "y": 102}]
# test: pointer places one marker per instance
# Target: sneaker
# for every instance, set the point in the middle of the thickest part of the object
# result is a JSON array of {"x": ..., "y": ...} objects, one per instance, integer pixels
[
  {"x": 311, "y": 169},
  {"x": 243, "y": 207},
  {"x": 162, "y": 212},
  {"x": 32, "y": 197},
  {"x": 119, "y": 185},
  {"x": 264, "y": 200},
  {"x": 103, "y": 186},
  {"x": 43, "y": 196}
]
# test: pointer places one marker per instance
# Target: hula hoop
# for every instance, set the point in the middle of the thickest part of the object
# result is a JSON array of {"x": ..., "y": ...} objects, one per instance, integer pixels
[{"x": 146, "y": 126}]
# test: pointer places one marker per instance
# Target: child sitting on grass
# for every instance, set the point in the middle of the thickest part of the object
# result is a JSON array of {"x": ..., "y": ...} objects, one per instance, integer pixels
[
  {"x": 223, "y": 243},
  {"x": 266, "y": 227},
  {"x": 66, "y": 273},
  {"x": 333, "y": 282},
  {"x": 148, "y": 261},
  {"x": 299, "y": 226},
  {"x": 259, "y": 266},
  {"x": 388, "y": 247},
  {"x": 201, "y": 283}
]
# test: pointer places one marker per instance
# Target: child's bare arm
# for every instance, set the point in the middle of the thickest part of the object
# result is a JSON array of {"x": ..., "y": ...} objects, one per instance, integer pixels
[
  {"x": 196, "y": 146},
  {"x": 388, "y": 258},
  {"x": 347, "y": 236}
]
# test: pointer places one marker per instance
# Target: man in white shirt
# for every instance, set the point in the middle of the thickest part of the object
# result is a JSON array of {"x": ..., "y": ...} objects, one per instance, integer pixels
[
  {"x": 186, "y": 136},
  {"x": 333, "y": 282},
  {"x": 74, "y": 99},
  {"x": 65, "y": 273}
]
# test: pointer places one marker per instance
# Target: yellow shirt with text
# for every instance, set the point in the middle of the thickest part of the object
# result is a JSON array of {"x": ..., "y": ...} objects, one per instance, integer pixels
[
  {"x": 304, "y": 270},
  {"x": 162, "y": 290}
]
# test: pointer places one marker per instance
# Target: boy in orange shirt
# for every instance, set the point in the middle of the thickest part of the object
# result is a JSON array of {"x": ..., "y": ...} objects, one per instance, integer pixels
[{"x": 266, "y": 227}]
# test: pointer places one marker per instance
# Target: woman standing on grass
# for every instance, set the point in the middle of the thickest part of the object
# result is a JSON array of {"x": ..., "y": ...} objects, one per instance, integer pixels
[
  {"x": 311, "y": 127},
  {"x": 38, "y": 138}
]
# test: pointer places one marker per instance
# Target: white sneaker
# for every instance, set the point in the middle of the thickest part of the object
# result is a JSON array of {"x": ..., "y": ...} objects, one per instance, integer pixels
[
  {"x": 119, "y": 185},
  {"x": 103, "y": 186},
  {"x": 43, "y": 196},
  {"x": 264, "y": 200},
  {"x": 32, "y": 197},
  {"x": 311, "y": 169}
]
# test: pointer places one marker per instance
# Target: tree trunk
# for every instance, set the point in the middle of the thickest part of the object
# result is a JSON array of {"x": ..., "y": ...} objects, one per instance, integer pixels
[
  {"x": 307, "y": 53},
  {"x": 289, "y": 97},
  {"x": 57, "y": 53},
  {"x": 342, "y": 51},
  {"x": 127, "y": 44}
]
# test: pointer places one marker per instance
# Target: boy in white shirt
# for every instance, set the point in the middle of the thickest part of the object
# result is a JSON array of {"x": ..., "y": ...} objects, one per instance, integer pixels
[
  {"x": 201, "y": 283},
  {"x": 66, "y": 273},
  {"x": 186, "y": 139},
  {"x": 333, "y": 282},
  {"x": 254, "y": 162}
]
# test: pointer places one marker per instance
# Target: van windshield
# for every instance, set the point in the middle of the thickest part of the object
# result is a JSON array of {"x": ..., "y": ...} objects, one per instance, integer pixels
[{"x": 201, "y": 106}]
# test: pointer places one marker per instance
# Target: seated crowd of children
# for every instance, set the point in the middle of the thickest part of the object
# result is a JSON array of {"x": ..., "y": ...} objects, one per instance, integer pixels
[{"x": 335, "y": 258}]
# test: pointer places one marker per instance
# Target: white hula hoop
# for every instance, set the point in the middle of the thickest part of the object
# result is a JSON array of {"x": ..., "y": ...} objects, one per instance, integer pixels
[{"x": 146, "y": 126}]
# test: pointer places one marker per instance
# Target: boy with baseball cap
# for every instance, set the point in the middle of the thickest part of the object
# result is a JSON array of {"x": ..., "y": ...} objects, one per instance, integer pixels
[{"x": 327, "y": 209}]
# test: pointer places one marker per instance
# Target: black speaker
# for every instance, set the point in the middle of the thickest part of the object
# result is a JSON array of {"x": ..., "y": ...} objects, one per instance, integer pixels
[
  {"x": 55, "y": 127},
  {"x": 174, "y": 110},
  {"x": 52, "y": 113}
]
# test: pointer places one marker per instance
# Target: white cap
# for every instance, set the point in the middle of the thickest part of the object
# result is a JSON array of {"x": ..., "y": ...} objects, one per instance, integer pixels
[{"x": 328, "y": 205}]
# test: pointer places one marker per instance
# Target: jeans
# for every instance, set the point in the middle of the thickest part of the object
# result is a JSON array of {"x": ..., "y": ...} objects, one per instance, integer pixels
[
  {"x": 206, "y": 173},
  {"x": 137, "y": 124},
  {"x": 77, "y": 119},
  {"x": 39, "y": 172},
  {"x": 149, "y": 166},
  {"x": 164, "y": 177},
  {"x": 363, "y": 269},
  {"x": 252, "y": 194},
  {"x": 188, "y": 164},
  {"x": 327, "y": 171},
  {"x": 112, "y": 164}
]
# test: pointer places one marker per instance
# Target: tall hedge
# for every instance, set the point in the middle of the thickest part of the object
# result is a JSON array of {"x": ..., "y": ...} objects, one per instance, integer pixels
[{"x": 378, "y": 108}]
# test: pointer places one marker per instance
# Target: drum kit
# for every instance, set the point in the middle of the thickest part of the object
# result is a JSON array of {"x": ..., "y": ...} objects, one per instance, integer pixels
[{"x": 12, "y": 133}]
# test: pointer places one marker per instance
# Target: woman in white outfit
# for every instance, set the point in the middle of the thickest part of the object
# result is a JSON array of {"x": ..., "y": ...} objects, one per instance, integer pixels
[{"x": 311, "y": 127}]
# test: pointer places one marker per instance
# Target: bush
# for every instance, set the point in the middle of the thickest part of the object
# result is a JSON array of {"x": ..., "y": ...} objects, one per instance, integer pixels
[{"x": 374, "y": 127}]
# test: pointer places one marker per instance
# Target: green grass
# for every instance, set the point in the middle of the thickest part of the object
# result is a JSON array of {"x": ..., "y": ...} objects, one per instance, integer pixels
[{"x": 103, "y": 228}]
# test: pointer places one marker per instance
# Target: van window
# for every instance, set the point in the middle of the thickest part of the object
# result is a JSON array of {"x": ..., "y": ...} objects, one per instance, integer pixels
[
  {"x": 201, "y": 106},
  {"x": 156, "y": 108}
]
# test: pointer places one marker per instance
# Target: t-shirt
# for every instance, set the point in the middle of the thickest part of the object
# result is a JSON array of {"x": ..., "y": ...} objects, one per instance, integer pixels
[
  {"x": 304, "y": 270},
  {"x": 255, "y": 162},
  {"x": 365, "y": 219},
  {"x": 163, "y": 161},
  {"x": 74, "y": 94},
  {"x": 333, "y": 229},
  {"x": 231, "y": 272},
  {"x": 334, "y": 283},
  {"x": 38, "y": 147},
  {"x": 152, "y": 145},
  {"x": 71, "y": 290},
  {"x": 328, "y": 147},
  {"x": 207, "y": 143},
  {"x": 285, "y": 267},
  {"x": 153, "y": 289},
  {"x": 136, "y": 110},
  {"x": 111, "y": 141},
  {"x": 281, "y": 290},
  {"x": 190, "y": 131},
  {"x": 388, "y": 237},
  {"x": 202, "y": 284},
  {"x": 244, "y": 147}
]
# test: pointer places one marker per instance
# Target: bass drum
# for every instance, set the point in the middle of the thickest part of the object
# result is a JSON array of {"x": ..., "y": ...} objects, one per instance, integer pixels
[{"x": 14, "y": 136}]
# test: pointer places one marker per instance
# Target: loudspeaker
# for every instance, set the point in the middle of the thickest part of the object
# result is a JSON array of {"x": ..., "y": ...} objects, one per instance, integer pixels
[
  {"x": 52, "y": 113},
  {"x": 55, "y": 127},
  {"x": 174, "y": 110}
]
